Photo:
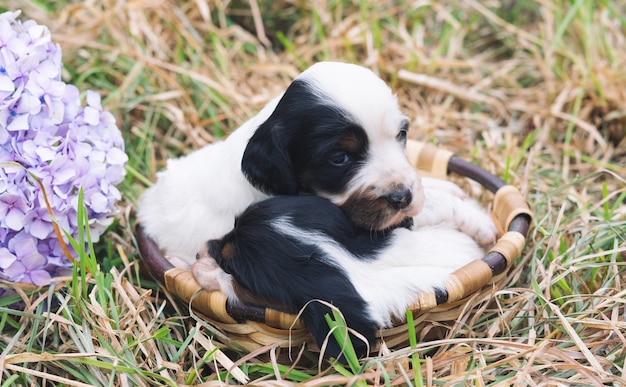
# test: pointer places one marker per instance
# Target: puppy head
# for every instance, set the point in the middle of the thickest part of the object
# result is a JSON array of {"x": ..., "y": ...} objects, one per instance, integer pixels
[
  {"x": 248, "y": 256},
  {"x": 219, "y": 267},
  {"x": 338, "y": 133}
]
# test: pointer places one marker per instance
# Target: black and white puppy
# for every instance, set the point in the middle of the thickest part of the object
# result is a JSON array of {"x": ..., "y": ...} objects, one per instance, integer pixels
[
  {"x": 287, "y": 251},
  {"x": 336, "y": 132}
]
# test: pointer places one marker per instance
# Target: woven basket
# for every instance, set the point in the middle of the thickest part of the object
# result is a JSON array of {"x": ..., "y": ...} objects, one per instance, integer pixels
[{"x": 254, "y": 327}]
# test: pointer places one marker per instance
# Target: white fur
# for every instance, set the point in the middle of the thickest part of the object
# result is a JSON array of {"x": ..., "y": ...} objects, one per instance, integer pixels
[{"x": 198, "y": 196}]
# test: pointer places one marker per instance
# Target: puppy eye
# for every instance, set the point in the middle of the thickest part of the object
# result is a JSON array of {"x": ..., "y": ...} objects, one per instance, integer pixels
[
  {"x": 404, "y": 128},
  {"x": 340, "y": 159}
]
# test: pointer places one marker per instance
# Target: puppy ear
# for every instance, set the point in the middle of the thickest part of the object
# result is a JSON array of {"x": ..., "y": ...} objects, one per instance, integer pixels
[
  {"x": 215, "y": 248},
  {"x": 266, "y": 162}
]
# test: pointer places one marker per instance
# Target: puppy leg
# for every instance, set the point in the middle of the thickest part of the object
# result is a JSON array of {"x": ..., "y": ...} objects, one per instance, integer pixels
[
  {"x": 212, "y": 278},
  {"x": 447, "y": 205}
]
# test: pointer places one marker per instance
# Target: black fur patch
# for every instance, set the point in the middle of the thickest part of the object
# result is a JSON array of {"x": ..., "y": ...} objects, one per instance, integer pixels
[{"x": 283, "y": 272}]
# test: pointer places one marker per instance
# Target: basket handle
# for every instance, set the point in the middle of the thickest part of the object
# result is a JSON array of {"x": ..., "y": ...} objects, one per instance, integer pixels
[{"x": 511, "y": 211}]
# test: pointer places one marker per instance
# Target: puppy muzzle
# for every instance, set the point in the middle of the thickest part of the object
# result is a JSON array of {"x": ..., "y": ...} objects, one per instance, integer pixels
[{"x": 399, "y": 199}]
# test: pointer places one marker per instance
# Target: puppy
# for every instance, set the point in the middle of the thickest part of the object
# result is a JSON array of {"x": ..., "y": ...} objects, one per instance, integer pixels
[
  {"x": 287, "y": 252},
  {"x": 336, "y": 132}
]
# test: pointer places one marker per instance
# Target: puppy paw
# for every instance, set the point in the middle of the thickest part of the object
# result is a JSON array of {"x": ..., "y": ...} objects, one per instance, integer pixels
[
  {"x": 474, "y": 221},
  {"x": 210, "y": 276}
]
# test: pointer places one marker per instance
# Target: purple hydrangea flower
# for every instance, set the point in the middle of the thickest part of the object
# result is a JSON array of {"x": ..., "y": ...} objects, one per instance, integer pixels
[{"x": 45, "y": 129}]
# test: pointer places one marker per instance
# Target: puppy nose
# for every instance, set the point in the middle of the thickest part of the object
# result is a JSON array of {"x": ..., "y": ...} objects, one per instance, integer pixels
[{"x": 400, "y": 199}]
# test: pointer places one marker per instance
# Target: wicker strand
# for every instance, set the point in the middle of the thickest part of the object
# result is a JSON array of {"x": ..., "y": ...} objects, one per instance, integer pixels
[
  {"x": 425, "y": 301},
  {"x": 281, "y": 320},
  {"x": 183, "y": 284},
  {"x": 467, "y": 280},
  {"x": 510, "y": 245},
  {"x": 508, "y": 203},
  {"x": 430, "y": 160}
]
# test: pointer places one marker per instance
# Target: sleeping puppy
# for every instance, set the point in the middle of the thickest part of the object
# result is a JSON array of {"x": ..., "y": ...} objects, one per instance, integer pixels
[
  {"x": 286, "y": 252},
  {"x": 336, "y": 132}
]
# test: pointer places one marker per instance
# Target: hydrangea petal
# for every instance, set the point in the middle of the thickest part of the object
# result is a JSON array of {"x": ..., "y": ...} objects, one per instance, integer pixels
[
  {"x": 9, "y": 16},
  {"x": 37, "y": 32},
  {"x": 4, "y": 135},
  {"x": 39, "y": 277},
  {"x": 6, "y": 84},
  {"x": 29, "y": 104},
  {"x": 25, "y": 247},
  {"x": 45, "y": 154},
  {"x": 33, "y": 261},
  {"x": 48, "y": 69},
  {"x": 116, "y": 156},
  {"x": 115, "y": 174},
  {"x": 15, "y": 271},
  {"x": 15, "y": 219},
  {"x": 20, "y": 122},
  {"x": 17, "y": 46},
  {"x": 64, "y": 175},
  {"x": 57, "y": 110},
  {"x": 98, "y": 202},
  {"x": 40, "y": 229},
  {"x": 6, "y": 258},
  {"x": 97, "y": 157},
  {"x": 91, "y": 115},
  {"x": 93, "y": 99}
]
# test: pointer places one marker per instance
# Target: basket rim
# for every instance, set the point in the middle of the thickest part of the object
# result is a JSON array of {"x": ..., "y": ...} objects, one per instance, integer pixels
[{"x": 511, "y": 212}]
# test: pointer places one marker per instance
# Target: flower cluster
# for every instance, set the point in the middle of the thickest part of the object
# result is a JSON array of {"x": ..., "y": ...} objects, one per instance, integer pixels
[{"x": 44, "y": 131}]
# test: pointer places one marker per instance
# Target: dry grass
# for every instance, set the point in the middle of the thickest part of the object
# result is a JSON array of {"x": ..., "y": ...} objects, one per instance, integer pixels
[{"x": 533, "y": 91}]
